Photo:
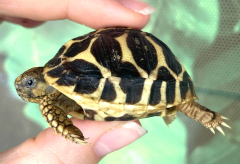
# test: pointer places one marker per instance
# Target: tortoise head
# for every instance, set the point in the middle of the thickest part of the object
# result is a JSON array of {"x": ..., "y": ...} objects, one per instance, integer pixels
[{"x": 31, "y": 85}]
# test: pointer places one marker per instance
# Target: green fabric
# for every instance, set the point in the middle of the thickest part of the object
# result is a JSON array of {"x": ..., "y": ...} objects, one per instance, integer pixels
[{"x": 204, "y": 35}]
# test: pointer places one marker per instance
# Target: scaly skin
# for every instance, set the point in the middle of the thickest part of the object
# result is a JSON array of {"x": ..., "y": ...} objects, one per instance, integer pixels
[
  {"x": 208, "y": 118},
  {"x": 40, "y": 92},
  {"x": 58, "y": 120}
]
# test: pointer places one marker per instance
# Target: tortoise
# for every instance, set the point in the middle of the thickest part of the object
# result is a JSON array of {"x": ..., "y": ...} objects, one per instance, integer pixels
[{"x": 113, "y": 74}]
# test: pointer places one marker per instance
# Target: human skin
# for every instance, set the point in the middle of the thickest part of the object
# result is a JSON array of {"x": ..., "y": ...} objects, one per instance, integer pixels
[
  {"x": 105, "y": 137},
  {"x": 92, "y": 13}
]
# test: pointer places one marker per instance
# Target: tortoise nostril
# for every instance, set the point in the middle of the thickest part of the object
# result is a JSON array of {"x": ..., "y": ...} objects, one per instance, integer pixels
[{"x": 19, "y": 90}]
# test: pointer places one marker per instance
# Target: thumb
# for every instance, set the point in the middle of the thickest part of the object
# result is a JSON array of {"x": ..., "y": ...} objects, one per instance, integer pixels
[{"x": 105, "y": 137}]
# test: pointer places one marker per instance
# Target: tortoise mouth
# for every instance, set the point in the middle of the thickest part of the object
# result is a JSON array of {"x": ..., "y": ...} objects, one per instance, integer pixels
[
  {"x": 21, "y": 93},
  {"x": 28, "y": 98},
  {"x": 26, "y": 95}
]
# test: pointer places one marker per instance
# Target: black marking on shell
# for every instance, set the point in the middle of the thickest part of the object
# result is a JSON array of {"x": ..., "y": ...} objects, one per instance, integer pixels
[
  {"x": 171, "y": 60},
  {"x": 142, "y": 50},
  {"x": 53, "y": 62},
  {"x": 127, "y": 68},
  {"x": 87, "y": 84},
  {"x": 155, "y": 95},
  {"x": 170, "y": 92},
  {"x": 153, "y": 114},
  {"x": 81, "y": 37},
  {"x": 107, "y": 51},
  {"x": 109, "y": 93},
  {"x": 125, "y": 117},
  {"x": 113, "y": 32},
  {"x": 82, "y": 67},
  {"x": 77, "y": 47},
  {"x": 67, "y": 79},
  {"x": 191, "y": 87},
  {"x": 164, "y": 74},
  {"x": 89, "y": 35},
  {"x": 183, "y": 89},
  {"x": 60, "y": 51},
  {"x": 89, "y": 114},
  {"x": 184, "y": 85},
  {"x": 56, "y": 72},
  {"x": 133, "y": 88}
]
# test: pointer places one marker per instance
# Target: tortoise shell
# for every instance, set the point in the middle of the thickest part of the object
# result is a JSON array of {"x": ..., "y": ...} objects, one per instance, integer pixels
[
  {"x": 119, "y": 74},
  {"x": 113, "y": 74}
]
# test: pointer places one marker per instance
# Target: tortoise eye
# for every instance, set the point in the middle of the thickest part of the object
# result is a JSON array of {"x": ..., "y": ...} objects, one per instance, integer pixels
[{"x": 30, "y": 83}]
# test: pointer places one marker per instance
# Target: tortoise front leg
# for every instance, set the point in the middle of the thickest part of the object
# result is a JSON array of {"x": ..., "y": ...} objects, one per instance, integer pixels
[
  {"x": 208, "y": 118},
  {"x": 58, "y": 120}
]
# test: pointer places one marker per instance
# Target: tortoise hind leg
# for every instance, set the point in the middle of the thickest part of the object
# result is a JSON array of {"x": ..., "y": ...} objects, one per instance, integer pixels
[
  {"x": 58, "y": 120},
  {"x": 208, "y": 118}
]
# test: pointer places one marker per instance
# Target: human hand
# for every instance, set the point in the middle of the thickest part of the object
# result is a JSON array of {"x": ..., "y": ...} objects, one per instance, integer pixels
[
  {"x": 48, "y": 147},
  {"x": 104, "y": 136},
  {"x": 92, "y": 13}
]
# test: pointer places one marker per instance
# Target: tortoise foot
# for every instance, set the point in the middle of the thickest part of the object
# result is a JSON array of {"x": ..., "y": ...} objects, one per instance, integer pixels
[
  {"x": 215, "y": 124},
  {"x": 58, "y": 120},
  {"x": 74, "y": 134}
]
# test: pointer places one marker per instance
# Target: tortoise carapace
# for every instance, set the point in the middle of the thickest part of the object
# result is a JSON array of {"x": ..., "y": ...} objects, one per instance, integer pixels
[{"x": 112, "y": 74}]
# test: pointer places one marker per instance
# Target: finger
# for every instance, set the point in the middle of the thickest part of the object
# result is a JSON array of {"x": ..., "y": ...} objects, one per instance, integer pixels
[
  {"x": 105, "y": 137},
  {"x": 1, "y": 20},
  {"x": 23, "y": 21},
  {"x": 93, "y": 13}
]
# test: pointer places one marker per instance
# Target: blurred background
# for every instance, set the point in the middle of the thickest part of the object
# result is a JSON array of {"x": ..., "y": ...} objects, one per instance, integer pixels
[{"x": 203, "y": 34}]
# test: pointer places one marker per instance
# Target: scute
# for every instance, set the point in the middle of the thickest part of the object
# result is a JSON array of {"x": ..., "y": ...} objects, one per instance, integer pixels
[
  {"x": 155, "y": 96},
  {"x": 56, "y": 72},
  {"x": 133, "y": 88},
  {"x": 54, "y": 62},
  {"x": 107, "y": 52},
  {"x": 87, "y": 85},
  {"x": 77, "y": 47},
  {"x": 164, "y": 74},
  {"x": 125, "y": 117},
  {"x": 60, "y": 51},
  {"x": 109, "y": 93},
  {"x": 171, "y": 60},
  {"x": 67, "y": 79},
  {"x": 113, "y": 32},
  {"x": 142, "y": 50},
  {"x": 170, "y": 92}
]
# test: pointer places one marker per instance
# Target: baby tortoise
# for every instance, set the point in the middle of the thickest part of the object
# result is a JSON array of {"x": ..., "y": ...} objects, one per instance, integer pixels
[{"x": 113, "y": 74}]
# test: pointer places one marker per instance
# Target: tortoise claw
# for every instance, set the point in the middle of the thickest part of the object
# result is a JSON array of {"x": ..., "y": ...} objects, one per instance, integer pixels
[
  {"x": 79, "y": 141},
  {"x": 226, "y": 125},
  {"x": 215, "y": 124},
  {"x": 224, "y": 118},
  {"x": 220, "y": 130},
  {"x": 74, "y": 134},
  {"x": 212, "y": 130}
]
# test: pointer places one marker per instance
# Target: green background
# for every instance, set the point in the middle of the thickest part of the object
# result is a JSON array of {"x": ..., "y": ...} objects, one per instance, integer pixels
[{"x": 203, "y": 34}]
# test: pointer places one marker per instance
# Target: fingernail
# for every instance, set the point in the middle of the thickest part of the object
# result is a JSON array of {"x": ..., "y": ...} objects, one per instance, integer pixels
[
  {"x": 138, "y": 6},
  {"x": 118, "y": 138}
]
